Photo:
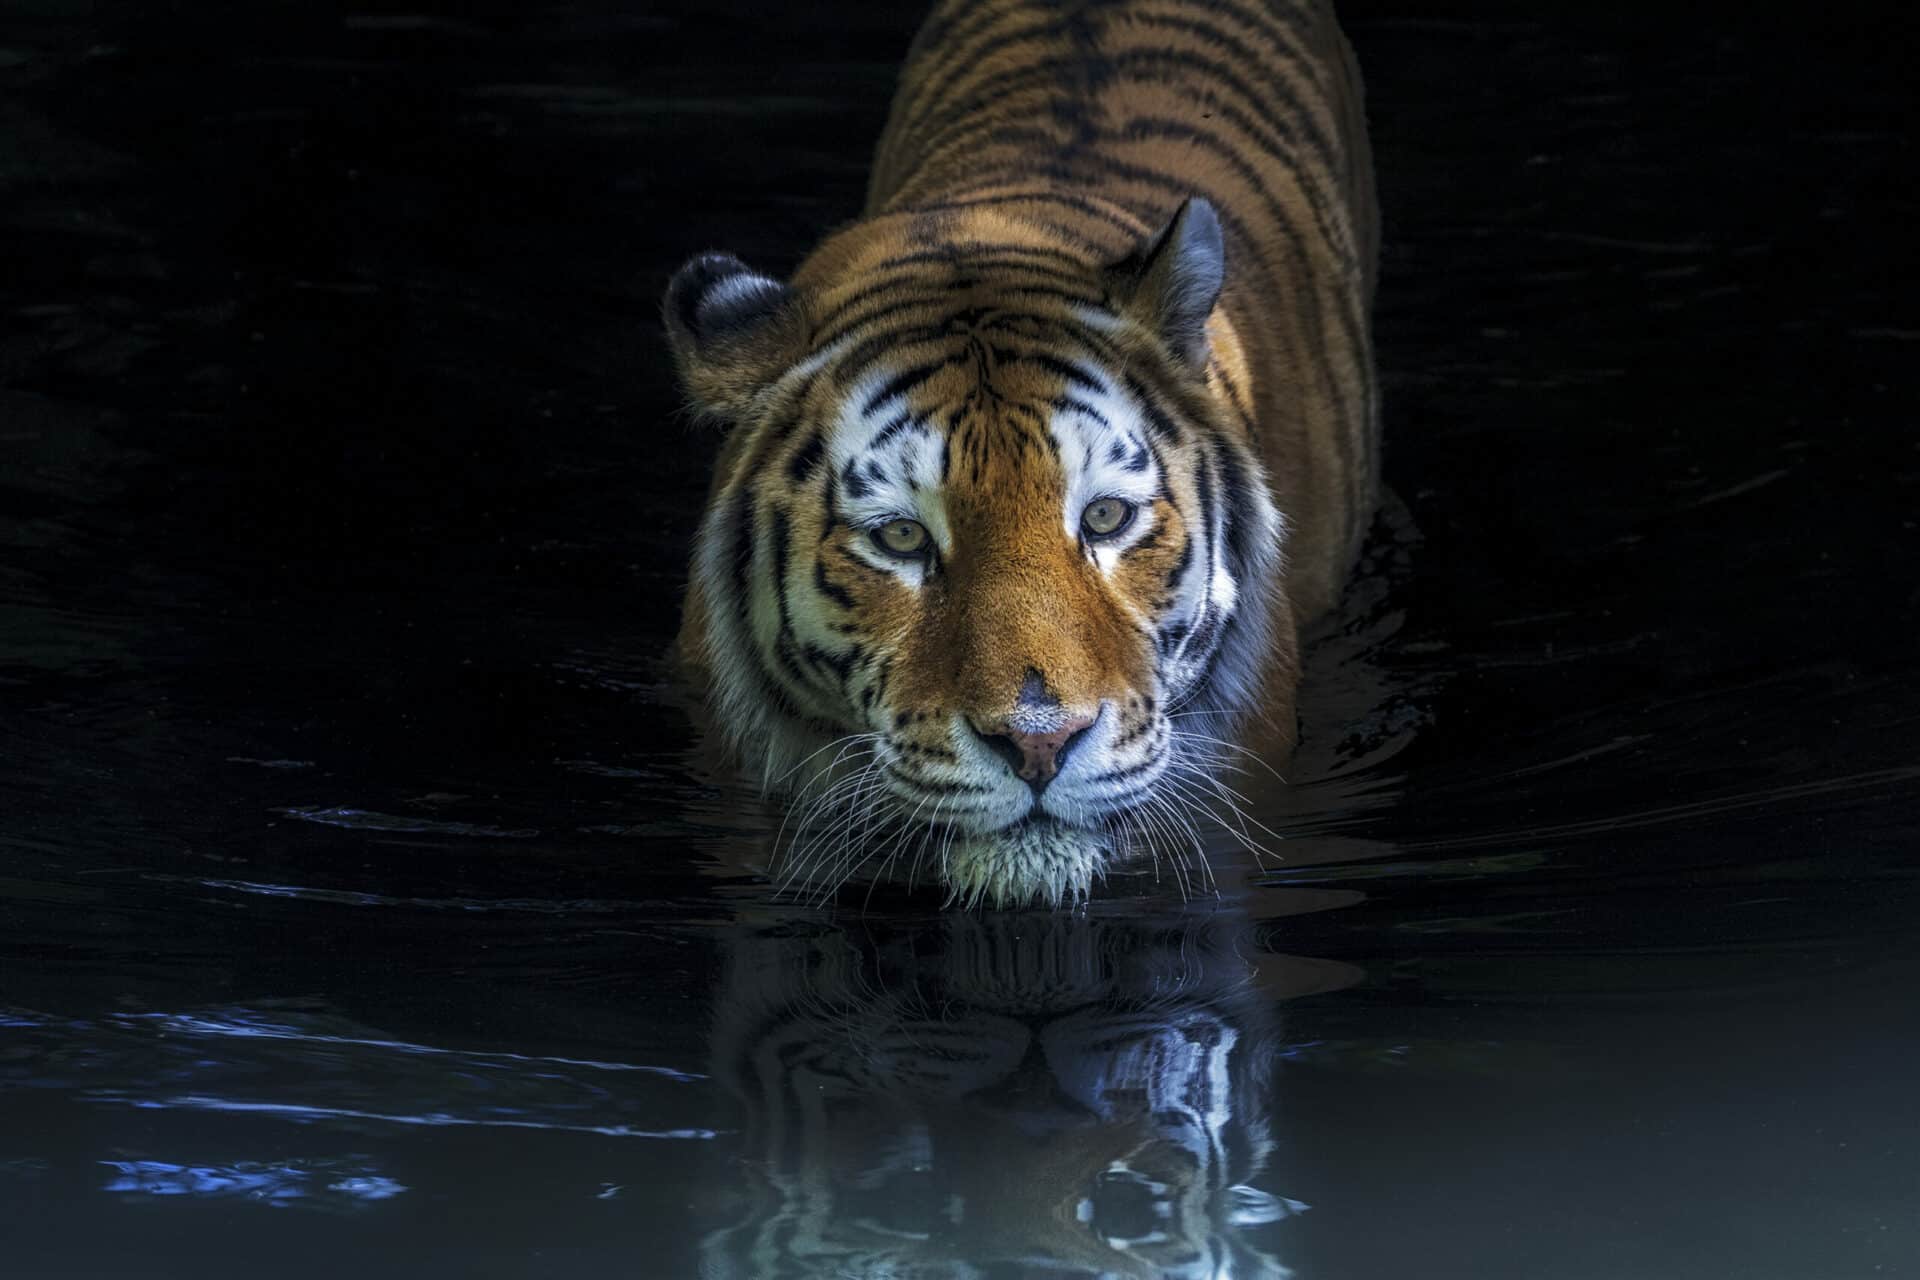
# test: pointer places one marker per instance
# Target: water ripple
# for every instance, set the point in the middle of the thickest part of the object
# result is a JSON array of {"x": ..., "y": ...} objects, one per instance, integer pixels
[
  {"x": 302, "y": 1112},
  {"x": 246, "y": 1028},
  {"x": 368, "y": 820},
  {"x": 363, "y": 898}
]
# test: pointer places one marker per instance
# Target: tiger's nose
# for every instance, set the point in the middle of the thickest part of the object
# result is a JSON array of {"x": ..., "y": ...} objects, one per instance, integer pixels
[{"x": 1035, "y": 758}]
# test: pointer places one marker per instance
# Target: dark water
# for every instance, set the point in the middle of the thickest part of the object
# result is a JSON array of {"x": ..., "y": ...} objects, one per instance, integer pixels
[{"x": 364, "y": 910}]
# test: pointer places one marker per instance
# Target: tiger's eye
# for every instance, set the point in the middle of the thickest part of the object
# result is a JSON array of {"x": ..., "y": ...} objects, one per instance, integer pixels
[
  {"x": 1106, "y": 517},
  {"x": 901, "y": 537}
]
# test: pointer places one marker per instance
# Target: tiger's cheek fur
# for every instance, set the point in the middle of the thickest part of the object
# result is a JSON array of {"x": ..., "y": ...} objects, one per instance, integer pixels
[
  {"x": 872, "y": 614},
  {"x": 1149, "y": 577}
]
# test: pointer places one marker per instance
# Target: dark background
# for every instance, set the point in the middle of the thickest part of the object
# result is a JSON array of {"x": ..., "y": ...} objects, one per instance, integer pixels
[{"x": 344, "y": 505}]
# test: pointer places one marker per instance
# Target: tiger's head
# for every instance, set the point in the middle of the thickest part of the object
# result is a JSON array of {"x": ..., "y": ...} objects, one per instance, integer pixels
[{"x": 988, "y": 561}]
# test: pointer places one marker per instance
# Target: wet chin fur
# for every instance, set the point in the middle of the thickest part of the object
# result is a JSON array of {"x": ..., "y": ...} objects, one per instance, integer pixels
[{"x": 1033, "y": 864}]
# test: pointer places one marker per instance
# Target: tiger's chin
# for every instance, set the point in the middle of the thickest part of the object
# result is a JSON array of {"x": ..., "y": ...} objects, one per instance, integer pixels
[{"x": 1036, "y": 861}]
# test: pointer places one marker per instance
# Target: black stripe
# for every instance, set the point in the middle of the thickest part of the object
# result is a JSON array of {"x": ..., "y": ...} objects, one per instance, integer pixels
[
  {"x": 917, "y": 749},
  {"x": 1080, "y": 407},
  {"x": 1134, "y": 734},
  {"x": 935, "y": 786},
  {"x": 927, "y": 288},
  {"x": 950, "y": 320},
  {"x": 1179, "y": 570},
  {"x": 1121, "y": 775},
  {"x": 1206, "y": 634},
  {"x": 856, "y": 484},
  {"x": 903, "y": 382},
  {"x": 1209, "y": 514},
  {"x": 829, "y": 588},
  {"x": 1073, "y": 373},
  {"x": 973, "y": 253},
  {"x": 855, "y": 363},
  {"x": 780, "y": 533},
  {"x": 1148, "y": 540},
  {"x": 1158, "y": 422},
  {"x": 1098, "y": 211},
  {"x": 918, "y": 302},
  {"x": 745, "y": 535},
  {"x": 1238, "y": 504},
  {"x": 841, "y": 664},
  {"x": 892, "y": 429},
  {"x": 865, "y": 293},
  {"x": 801, "y": 466}
]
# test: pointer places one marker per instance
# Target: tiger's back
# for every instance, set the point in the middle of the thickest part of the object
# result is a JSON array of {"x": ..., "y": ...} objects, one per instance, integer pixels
[{"x": 1095, "y": 118}]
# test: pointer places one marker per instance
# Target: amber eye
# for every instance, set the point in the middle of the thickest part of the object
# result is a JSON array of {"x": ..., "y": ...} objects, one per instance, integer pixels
[
  {"x": 904, "y": 538},
  {"x": 1105, "y": 517}
]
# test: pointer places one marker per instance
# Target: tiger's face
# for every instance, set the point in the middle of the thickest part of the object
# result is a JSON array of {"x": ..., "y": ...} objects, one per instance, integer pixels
[{"x": 987, "y": 561}]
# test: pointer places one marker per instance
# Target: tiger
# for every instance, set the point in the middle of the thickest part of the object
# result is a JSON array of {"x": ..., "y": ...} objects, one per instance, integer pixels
[
  {"x": 1033, "y": 474},
  {"x": 994, "y": 1094}
]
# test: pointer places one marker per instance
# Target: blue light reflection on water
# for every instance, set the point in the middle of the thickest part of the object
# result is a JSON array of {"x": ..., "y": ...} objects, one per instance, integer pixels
[
  {"x": 238, "y": 1023},
  {"x": 301, "y": 1113},
  {"x": 273, "y": 1184}
]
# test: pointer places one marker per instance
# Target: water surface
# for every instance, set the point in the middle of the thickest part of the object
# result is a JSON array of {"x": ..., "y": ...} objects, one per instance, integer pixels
[{"x": 364, "y": 905}]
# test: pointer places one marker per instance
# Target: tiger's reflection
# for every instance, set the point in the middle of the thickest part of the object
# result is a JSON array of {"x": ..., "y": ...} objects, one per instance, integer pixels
[{"x": 965, "y": 1096}]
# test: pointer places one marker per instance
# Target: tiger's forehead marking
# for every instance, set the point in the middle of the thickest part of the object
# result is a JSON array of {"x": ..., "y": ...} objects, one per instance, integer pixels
[
  {"x": 1102, "y": 443},
  {"x": 888, "y": 457},
  {"x": 975, "y": 384},
  {"x": 946, "y": 419}
]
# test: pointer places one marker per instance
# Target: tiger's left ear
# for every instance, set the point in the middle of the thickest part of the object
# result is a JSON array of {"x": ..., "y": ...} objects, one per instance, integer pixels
[
  {"x": 1172, "y": 284},
  {"x": 733, "y": 331}
]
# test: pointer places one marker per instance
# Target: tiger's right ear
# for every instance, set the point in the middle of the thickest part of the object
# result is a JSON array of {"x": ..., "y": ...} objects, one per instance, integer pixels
[
  {"x": 733, "y": 331},
  {"x": 1173, "y": 282}
]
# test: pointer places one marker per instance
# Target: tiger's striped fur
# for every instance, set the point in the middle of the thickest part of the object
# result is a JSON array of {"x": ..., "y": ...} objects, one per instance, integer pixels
[{"x": 1114, "y": 251}]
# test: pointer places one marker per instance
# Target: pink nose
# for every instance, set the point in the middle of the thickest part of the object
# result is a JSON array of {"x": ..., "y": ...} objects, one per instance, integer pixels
[{"x": 1038, "y": 754}]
